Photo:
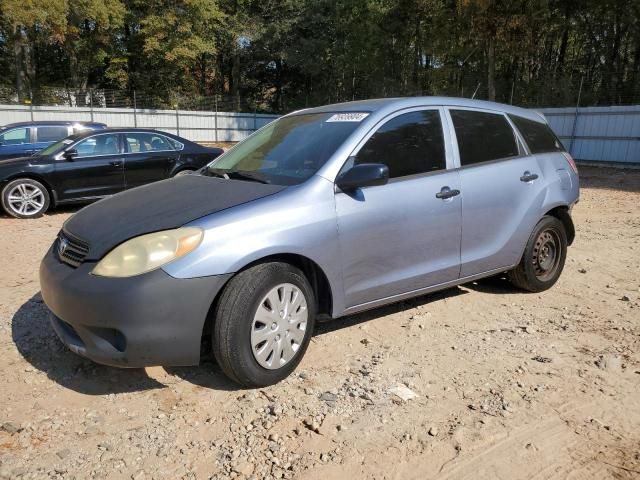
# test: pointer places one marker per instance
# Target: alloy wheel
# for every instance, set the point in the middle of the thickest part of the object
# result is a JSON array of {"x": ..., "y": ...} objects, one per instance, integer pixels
[{"x": 26, "y": 199}]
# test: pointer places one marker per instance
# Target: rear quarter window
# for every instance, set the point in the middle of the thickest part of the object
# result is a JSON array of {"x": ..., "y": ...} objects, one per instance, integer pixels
[
  {"x": 538, "y": 135},
  {"x": 51, "y": 133},
  {"x": 483, "y": 136}
]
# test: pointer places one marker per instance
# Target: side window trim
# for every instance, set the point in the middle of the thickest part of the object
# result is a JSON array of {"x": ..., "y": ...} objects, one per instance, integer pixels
[
  {"x": 448, "y": 151},
  {"x": 522, "y": 145},
  {"x": 522, "y": 151},
  {"x": 168, "y": 140}
]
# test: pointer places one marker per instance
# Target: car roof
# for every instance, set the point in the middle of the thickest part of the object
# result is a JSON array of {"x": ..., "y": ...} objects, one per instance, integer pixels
[
  {"x": 132, "y": 129},
  {"x": 52, "y": 122},
  {"x": 389, "y": 105}
]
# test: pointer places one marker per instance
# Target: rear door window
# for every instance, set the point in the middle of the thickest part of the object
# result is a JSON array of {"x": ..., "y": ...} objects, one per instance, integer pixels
[
  {"x": 147, "y": 142},
  {"x": 538, "y": 135},
  {"x": 17, "y": 136},
  {"x": 483, "y": 136},
  {"x": 51, "y": 133},
  {"x": 409, "y": 144}
]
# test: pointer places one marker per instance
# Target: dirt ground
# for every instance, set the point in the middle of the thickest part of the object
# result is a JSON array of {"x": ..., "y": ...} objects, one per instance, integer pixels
[{"x": 509, "y": 385}]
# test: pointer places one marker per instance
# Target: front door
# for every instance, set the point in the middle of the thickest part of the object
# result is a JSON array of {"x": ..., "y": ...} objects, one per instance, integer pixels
[
  {"x": 96, "y": 171},
  {"x": 501, "y": 188},
  {"x": 150, "y": 157},
  {"x": 405, "y": 235}
]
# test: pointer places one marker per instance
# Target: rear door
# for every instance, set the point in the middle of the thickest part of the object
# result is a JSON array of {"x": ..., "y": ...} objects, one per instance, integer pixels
[
  {"x": 96, "y": 171},
  {"x": 401, "y": 237},
  {"x": 149, "y": 157},
  {"x": 15, "y": 142},
  {"x": 501, "y": 188}
]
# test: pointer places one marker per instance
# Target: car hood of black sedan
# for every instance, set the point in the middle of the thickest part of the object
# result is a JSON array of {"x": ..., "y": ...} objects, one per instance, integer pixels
[
  {"x": 15, "y": 161},
  {"x": 158, "y": 206}
]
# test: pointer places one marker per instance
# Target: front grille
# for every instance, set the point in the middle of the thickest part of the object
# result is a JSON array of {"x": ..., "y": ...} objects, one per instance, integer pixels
[{"x": 71, "y": 251}]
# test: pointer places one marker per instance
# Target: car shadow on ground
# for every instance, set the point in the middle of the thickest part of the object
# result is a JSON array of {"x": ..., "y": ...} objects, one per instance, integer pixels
[
  {"x": 329, "y": 326},
  {"x": 497, "y": 284},
  {"x": 39, "y": 345}
]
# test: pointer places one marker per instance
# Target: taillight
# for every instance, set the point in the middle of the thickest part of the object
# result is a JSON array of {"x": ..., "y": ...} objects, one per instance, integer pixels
[{"x": 571, "y": 161}]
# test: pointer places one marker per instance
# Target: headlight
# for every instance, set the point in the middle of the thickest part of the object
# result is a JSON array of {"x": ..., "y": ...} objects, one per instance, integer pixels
[{"x": 148, "y": 252}]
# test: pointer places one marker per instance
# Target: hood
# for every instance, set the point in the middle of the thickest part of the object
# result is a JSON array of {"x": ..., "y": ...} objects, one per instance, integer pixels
[
  {"x": 158, "y": 206},
  {"x": 16, "y": 161}
]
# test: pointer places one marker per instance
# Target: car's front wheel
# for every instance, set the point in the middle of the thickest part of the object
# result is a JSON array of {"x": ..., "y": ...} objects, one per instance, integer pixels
[
  {"x": 186, "y": 171},
  {"x": 264, "y": 320},
  {"x": 25, "y": 198},
  {"x": 543, "y": 258}
]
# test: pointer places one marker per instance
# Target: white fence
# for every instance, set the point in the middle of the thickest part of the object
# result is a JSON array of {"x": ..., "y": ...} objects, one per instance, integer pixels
[
  {"x": 193, "y": 125},
  {"x": 598, "y": 134}
]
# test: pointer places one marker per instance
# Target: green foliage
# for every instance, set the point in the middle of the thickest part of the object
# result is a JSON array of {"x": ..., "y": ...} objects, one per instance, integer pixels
[{"x": 280, "y": 55}]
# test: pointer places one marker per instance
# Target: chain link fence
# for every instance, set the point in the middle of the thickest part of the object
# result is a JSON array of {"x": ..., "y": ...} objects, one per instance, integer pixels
[
  {"x": 562, "y": 89},
  {"x": 610, "y": 133},
  {"x": 110, "y": 98}
]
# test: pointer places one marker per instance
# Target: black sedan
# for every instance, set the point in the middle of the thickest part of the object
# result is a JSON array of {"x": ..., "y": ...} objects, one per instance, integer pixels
[{"x": 92, "y": 165}]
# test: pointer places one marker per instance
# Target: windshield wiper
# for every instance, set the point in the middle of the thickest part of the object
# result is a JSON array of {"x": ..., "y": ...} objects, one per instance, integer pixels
[
  {"x": 217, "y": 172},
  {"x": 251, "y": 176},
  {"x": 238, "y": 174}
]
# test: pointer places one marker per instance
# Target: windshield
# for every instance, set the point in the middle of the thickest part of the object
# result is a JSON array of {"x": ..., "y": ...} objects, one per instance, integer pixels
[
  {"x": 287, "y": 151},
  {"x": 57, "y": 146}
]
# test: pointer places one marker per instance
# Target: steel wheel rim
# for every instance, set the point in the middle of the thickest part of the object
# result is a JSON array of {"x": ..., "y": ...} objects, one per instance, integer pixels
[
  {"x": 546, "y": 254},
  {"x": 26, "y": 199},
  {"x": 279, "y": 326}
]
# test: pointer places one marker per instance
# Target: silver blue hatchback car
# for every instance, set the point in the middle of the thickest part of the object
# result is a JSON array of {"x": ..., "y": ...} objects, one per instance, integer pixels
[{"x": 325, "y": 212}]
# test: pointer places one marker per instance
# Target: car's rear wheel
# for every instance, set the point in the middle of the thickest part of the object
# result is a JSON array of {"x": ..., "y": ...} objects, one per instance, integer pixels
[
  {"x": 264, "y": 320},
  {"x": 25, "y": 198},
  {"x": 543, "y": 258}
]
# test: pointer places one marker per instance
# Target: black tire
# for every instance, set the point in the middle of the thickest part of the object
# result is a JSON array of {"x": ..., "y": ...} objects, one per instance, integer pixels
[
  {"x": 234, "y": 323},
  {"x": 543, "y": 258},
  {"x": 35, "y": 208}
]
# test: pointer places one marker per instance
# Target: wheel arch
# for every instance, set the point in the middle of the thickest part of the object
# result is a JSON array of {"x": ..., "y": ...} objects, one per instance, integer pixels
[
  {"x": 38, "y": 178},
  {"x": 182, "y": 168},
  {"x": 315, "y": 275},
  {"x": 561, "y": 212}
]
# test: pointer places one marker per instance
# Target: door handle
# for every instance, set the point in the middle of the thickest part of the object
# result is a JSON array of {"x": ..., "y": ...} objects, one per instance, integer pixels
[
  {"x": 528, "y": 176},
  {"x": 446, "y": 192},
  {"x": 116, "y": 163}
]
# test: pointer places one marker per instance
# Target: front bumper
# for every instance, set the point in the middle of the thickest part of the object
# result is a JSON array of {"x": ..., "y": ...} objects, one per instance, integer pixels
[{"x": 150, "y": 319}]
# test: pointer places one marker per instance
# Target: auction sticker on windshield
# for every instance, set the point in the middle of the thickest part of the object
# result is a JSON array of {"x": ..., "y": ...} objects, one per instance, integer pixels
[{"x": 348, "y": 117}]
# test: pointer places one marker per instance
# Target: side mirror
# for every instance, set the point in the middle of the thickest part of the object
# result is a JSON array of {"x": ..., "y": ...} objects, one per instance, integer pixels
[
  {"x": 363, "y": 175},
  {"x": 70, "y": 154}
]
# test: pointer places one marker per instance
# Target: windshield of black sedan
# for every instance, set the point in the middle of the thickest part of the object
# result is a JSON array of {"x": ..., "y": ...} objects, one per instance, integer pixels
[{"x": 289, "y": 150}]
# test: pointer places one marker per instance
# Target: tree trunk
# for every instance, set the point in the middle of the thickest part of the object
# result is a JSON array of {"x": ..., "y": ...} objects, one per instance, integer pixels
[
  {"x": 235, "y": 77},
  {"x": 22, "y": 63},
  {"x": 491, "y": 77}
]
